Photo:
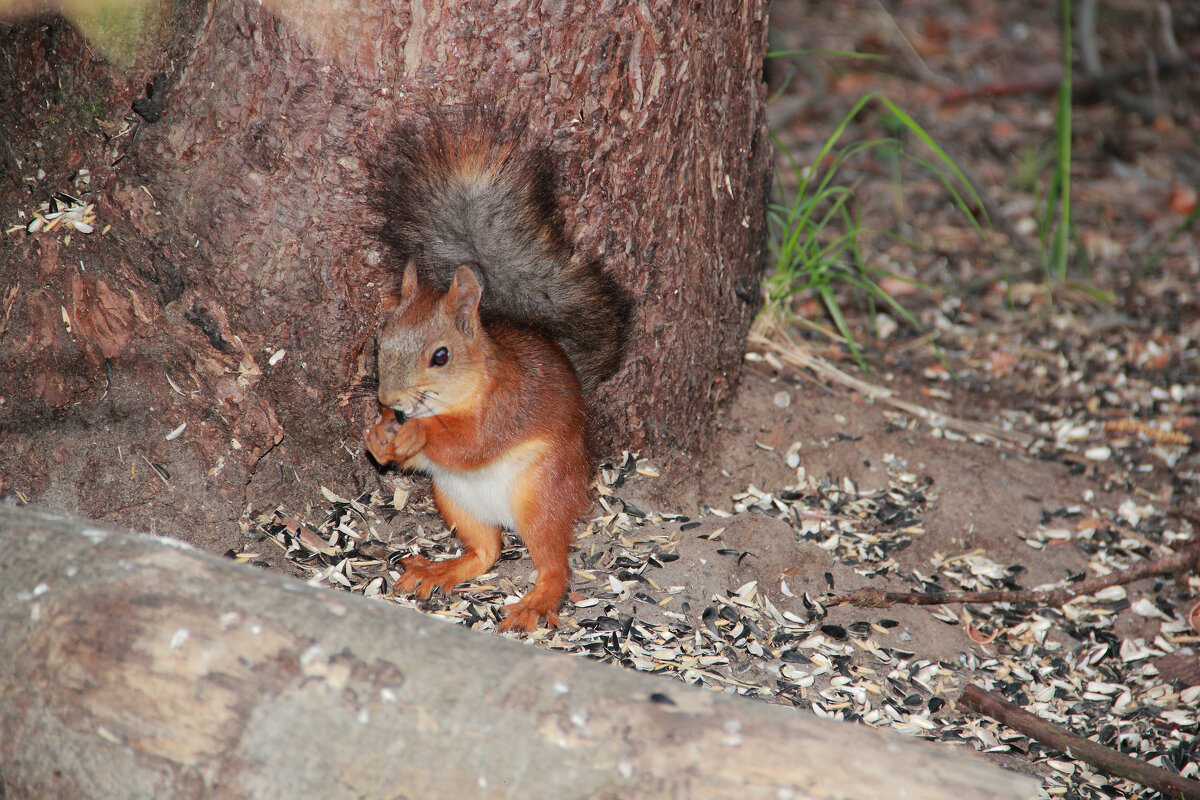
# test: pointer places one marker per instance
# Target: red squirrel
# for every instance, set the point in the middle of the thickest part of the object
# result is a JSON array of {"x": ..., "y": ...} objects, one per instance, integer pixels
[{"x": 484, "y": 363}]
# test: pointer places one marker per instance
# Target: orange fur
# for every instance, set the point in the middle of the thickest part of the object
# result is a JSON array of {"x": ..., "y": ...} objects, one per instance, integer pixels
[
  {"x": 500, "y": 426},
  {"x": 484, "y": 390}
]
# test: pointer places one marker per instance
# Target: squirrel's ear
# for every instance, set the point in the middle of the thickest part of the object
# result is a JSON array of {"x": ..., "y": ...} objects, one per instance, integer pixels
[
  {"x": 408, "y": 286},
  {"x": 462, "y": 300}
]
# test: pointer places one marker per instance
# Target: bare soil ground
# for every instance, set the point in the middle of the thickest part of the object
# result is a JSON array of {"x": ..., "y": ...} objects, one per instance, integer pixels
[{"x": 1108, "y": 389}]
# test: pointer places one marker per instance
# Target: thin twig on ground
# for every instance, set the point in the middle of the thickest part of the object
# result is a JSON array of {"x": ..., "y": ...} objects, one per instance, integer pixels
[
  {"x": 1046, "y": 80},
  {"x": 1074, "y": 746},
  {"x": 802, "y": 359},
  {"x": 1187, "y": 558}
]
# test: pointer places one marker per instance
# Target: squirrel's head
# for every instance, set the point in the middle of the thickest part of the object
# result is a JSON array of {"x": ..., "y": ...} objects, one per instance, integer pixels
[{"x": 432, "y": 348}]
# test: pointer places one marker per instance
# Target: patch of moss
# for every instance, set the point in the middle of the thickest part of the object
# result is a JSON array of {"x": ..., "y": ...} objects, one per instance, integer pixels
[
  {"x": 123, "y": 30},
  {"x": 85, "y": 109}
]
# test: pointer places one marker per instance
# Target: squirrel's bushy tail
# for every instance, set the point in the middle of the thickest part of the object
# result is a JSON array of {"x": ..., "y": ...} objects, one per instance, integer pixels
[{"x": 458, "y": 190}]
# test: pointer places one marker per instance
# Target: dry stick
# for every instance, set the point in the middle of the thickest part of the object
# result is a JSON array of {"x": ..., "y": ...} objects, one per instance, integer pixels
[
  {"x": 801, "y": 358},
  {"x": 1188, "y": 558},
  {"x": 1045, "y": 81},
  {"x": 1168, "y": 783}
]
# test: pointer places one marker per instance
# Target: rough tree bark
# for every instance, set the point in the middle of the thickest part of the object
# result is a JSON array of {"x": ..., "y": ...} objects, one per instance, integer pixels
[
  {"x": 138, "y": 669},
  {"x": 242, "y": 229}
]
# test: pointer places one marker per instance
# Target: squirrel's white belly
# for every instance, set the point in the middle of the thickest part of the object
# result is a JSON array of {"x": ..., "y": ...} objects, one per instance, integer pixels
[{"x": 487, "y": 493}]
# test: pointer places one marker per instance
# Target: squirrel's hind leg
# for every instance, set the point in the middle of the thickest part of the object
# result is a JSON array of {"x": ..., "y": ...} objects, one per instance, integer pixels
[
  {"x": 548, "y": 540},
  {"x": 481, "y": 548},
  {"x": 546, "y": 524}
]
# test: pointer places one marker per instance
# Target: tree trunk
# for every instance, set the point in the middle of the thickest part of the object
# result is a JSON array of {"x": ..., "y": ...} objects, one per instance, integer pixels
[
  {"x": 136, "y": 668},
  {"x": 239, "y": 286}
]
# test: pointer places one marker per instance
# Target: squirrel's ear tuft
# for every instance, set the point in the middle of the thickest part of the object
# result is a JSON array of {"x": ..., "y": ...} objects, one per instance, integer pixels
[
  {"x": 408, "y": 287},
  {"x": 462, "y": 300}
]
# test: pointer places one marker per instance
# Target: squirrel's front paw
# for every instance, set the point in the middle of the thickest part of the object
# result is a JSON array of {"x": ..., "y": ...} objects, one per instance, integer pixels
[
  {"x": 392, "y": 441},
  {"x": 407, "y": 441},
  {"x": 378, "y": 441}
]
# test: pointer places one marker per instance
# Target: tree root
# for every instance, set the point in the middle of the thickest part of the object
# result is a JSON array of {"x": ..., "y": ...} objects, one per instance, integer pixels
[{"x": 1074, "y": 746}]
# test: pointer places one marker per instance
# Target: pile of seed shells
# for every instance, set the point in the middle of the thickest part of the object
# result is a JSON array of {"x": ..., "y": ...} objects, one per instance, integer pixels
[
  {"x": 1111, "y": 396},
  {"x": 62, "y": 212},
  {"x": 1090, "y": 680}
]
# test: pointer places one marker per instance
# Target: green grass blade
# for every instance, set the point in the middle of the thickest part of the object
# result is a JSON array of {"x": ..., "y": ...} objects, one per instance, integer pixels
[
  {"x": 1062, "y": 235},
  {"x": 811, "y": 52},
  {"x": 839, "y": 322},
  {"x": 914, "y": 127}
]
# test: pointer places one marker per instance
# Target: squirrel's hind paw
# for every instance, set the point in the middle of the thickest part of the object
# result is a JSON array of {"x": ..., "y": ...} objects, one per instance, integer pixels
[
  {"x": 421, "y": 576},
  {"x": 524, "y": 617}
]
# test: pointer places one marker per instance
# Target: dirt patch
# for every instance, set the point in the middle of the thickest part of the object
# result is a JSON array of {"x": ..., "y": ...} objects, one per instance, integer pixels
[{"x": 721, "y": 577}]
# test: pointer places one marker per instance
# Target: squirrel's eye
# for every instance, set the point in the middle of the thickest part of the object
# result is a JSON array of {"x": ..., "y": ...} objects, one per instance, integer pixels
[{"x": 440, "y": 357}]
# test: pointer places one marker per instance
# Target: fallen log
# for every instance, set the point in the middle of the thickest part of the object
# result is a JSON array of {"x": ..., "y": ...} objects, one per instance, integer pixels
[{"x": 136, "y": 667}]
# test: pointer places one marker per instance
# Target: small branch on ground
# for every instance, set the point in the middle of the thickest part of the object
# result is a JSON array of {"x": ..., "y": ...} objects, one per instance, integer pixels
[
  {"x": 990, "y": 704},
  {"x": 1089, "y": 53},
  {"x": 1187, "y": 558},
  {"x": 1046, "y": 81},
  {"x": 803, "y": 359}
]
